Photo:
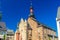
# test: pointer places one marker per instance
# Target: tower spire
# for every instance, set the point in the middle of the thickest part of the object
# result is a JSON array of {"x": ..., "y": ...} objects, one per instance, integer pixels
[
  {"x": 31, "y": 3},
  {"x": 31, "y": 10}
]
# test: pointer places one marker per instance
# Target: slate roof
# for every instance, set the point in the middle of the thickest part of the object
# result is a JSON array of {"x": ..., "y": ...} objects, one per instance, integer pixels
[{"x": 39, "y": 23}]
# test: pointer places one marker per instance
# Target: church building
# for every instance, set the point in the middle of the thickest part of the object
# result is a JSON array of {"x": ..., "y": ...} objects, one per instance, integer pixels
[{"x": 31, "y": 29}]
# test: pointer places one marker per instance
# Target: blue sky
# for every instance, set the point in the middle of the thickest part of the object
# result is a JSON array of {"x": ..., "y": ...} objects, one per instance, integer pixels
[{"x": 45, "y": 11}]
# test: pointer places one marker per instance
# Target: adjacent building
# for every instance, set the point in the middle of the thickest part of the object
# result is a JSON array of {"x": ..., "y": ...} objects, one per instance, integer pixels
[
  {"x": 4, "y": 33},
  {"x": 2, "y": 28},
  {"x": 58, "y": 22},
  {"x": 10, "y": 35}
]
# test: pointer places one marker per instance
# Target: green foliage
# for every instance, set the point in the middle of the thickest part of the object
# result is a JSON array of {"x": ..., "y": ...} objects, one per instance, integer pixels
[
  {"x": 4, "y": 37},
  {"x": 49, "y": 38}
]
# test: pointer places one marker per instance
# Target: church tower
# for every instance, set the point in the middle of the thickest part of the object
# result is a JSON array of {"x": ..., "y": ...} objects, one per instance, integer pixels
[
  {"x": 58, "y": 22},
  {"x": 33, "y": 24},
  {"x": 31, "y": 16},
  {"x": 31, "y": 11}
]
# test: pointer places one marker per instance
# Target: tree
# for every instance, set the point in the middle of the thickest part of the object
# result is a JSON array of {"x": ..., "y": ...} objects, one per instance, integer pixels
[{"x": 4, "y": 36}]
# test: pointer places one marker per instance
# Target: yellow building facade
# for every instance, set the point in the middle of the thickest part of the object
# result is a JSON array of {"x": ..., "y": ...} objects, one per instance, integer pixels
[{"x": 23, "y": 29}]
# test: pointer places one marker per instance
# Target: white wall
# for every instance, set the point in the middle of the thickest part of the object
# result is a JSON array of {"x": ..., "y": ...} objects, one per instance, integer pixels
[{"x": 58, "y": 29}]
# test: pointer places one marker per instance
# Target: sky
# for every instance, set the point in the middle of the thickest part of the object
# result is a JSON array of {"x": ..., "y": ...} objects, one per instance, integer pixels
[{"x": 45, "y": 12}]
